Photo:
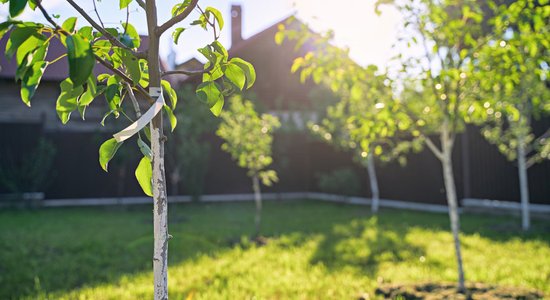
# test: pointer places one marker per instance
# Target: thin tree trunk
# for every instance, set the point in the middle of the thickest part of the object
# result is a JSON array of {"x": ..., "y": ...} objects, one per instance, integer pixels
[
  {"x": 258, "y": 200},
  {"x": 160, "y": 209},
  {"x": 450, "y": 189},
  {"x": 523, "y": 184},
  {"x": 373, "y": 180}
]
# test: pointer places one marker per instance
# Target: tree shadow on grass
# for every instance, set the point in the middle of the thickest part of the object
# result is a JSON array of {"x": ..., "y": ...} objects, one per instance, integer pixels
[{"x": 364, "y": 245}]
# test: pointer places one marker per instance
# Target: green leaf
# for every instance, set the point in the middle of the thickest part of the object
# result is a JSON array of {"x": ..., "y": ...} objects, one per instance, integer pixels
[
  {"x": 89, "y": 95},
  {"x": 218, "y": 47},
  {"x": 143, "y": 147},
  {"x": 17, "y": 37},
  {"x": 29, "y": 45},
  {"x": 217, "y": 15},
  {"x": 81, "y": 59},
  {"x": 131, "y": 34},
  {"x": 124, "y": 3},
  {"x": 69, "y": 24},
  {"x": 171, "y": 93},
  {"x": 235, "y": 74},
  {"x": 179, "y": 8},
  {"x": 216, "y": 109},
  {"x": 214, "y": 74},
  {"x": 5, "y": 26},
  {"x": 176, "y": 34},
  {"x": 209, "y": 93},
  {"x": 17, "y": 7},
  {"x": 31, "y": 80},
  {"x": 248, "y": 69},
  {"x": 144, "y": 175},
  {"x": 107, "y": 151},
  {"x": 144, "y": 82},
  {"x": 131, "y": 63},
  {"x": 112, "y": 93},
  {"x": 171, "y": 117},
  {"x": 67, "y": 100},
  {"x": 209, "y": 54},
  {"x": 86, "y": 32}
]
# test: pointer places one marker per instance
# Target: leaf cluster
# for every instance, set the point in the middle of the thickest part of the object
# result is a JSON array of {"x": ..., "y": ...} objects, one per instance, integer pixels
[{"x": 248, "y": 138}]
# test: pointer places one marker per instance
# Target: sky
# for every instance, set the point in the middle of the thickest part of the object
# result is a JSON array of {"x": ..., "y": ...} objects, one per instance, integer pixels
[{"x": 368, "y": 36}]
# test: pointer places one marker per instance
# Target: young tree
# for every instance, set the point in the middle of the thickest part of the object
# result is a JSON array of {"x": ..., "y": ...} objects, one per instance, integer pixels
[
  {"x": 248, "y": 138},
  {"x": 361, "y": 105},
  {"x": 513, "y": 73},
  {"x": 130, "y": 71},
  {"x": 432, "y": 98},
  {"x": 364, "y": 94}
]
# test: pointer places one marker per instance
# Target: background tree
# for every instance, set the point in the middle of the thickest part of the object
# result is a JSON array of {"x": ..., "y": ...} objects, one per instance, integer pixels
[
  {"x": 248, "y": 137},
  {"x": 363, "y": 94},
  {"x": 430, "y": 94},
  {"x": 513, "y": 74},
  {"x": 130, "y": 70}
]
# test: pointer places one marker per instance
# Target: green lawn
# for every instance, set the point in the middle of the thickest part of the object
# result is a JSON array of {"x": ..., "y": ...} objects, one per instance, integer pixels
[{"x": 315, "y": 251}]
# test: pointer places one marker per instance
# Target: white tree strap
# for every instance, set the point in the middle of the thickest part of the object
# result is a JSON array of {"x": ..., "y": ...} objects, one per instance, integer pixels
[{"x": 126, "y": 133}]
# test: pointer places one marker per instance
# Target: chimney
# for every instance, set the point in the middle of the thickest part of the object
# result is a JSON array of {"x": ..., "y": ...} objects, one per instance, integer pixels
[{"x": 236, "y": 25}]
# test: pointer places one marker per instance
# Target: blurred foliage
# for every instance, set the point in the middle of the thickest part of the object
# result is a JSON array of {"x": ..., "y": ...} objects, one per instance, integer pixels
[
  {"x": 33, "y": 173},
  {"x": 513, "y": 72},
  {"x": 189, "y": 153},
  {"x": 342, "y": 181},
  {"x": 248, "y": 137}
]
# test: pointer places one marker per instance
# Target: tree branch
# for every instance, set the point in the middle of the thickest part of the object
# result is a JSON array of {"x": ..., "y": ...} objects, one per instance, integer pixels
[
  {"x": 104, "y": 32},
  {"x": 45, "y": 13},
  {"x": 134, "y": 100},
  {"x": 186, "y": 72},
  {"x": 438, "y": 153},
  {"x": 97, "y": 14},
  {"x": 180, "y": 17}
]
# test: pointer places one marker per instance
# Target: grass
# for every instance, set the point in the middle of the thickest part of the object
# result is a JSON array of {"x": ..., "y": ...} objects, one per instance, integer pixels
[{"x": 315, "y": 251}]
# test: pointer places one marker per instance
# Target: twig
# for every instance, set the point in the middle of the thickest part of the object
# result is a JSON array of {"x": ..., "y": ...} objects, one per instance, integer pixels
[
  {"x": 186, "y": 72},
  {"x": 127, "y": 19},
  {"x": 134, "y": 100},
  {"x": 47, "y": 16},
  {"x": 97, "y": 13}
]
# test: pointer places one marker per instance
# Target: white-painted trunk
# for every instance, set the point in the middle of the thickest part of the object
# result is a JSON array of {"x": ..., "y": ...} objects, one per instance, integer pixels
[
  {"x": 523, "y": 184},
  {"x": 258, "y": 201},
  {"x": 160, "y": 216},
  {"x": 450, "y": 189},
  {"x": 373, "y": 180}
]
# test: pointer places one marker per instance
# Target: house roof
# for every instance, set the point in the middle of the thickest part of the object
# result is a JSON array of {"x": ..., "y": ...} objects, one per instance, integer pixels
[{"x": 276, "y": 88}]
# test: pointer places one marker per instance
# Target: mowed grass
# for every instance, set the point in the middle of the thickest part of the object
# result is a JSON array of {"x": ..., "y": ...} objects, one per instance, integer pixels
[{"x": 315, "y": 251}]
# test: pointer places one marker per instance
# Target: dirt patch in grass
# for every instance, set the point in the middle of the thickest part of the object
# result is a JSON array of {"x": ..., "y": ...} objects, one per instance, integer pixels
[{"x": 437, "y": 291}]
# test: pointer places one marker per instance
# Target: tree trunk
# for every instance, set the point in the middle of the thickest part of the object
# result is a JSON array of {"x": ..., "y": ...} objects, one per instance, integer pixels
[
  {"x": 523, "y": 184},
  {"x": 373, "y": 180},
  {"x": 258, "y": 200},
  {"x": 450, "y": 189},
  {"x": 160, "y": 209}
]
